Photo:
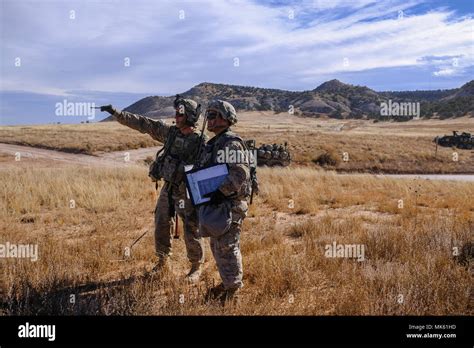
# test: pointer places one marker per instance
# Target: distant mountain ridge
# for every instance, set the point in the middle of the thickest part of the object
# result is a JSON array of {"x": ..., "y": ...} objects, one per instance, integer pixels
[{"x": 332, "y": 98}]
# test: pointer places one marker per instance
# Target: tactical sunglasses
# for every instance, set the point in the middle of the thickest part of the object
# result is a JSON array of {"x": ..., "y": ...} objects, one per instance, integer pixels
[{"x": 211, "y": 115}]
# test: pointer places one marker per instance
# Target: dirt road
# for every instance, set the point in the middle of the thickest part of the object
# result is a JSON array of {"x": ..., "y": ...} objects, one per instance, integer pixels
[
  {"x": 11, "y": 155},
  {"x": 44, "y": 157}
]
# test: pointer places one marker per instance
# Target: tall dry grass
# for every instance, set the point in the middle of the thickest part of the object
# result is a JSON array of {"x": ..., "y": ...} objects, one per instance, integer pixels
[{"x": 408, "y": 251}]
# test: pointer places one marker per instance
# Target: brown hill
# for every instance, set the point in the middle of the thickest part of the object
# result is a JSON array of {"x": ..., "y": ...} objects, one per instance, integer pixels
[{"x": 332, "y": 98}]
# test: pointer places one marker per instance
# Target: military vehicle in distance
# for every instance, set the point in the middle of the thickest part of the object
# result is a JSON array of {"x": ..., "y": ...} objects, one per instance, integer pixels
[
  {"x": 271, "y": 155},
  {"x": 461, "y": 141}
]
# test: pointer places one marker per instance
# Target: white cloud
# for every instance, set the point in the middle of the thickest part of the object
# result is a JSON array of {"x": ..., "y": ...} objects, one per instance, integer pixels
[
  {"x": 445, "y": 72},
  {"x": 172, "y": 54}
]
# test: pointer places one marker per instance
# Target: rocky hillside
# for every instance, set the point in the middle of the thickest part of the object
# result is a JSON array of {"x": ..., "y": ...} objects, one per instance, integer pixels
[{"x": 332, "y": 98}]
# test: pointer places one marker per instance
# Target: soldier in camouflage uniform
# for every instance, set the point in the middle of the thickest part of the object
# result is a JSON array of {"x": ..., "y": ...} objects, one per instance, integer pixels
[
  {"x": 221, "y": 218},
  {"x": 181, "y": 144}
]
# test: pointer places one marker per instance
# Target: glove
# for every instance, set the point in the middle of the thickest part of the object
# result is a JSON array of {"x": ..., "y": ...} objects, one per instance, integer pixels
[
  {"x": 216, "y": 197},
  {"x": 108, "y": 108}
]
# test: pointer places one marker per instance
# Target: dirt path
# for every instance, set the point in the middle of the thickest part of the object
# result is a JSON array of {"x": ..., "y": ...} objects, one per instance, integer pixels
[
  {"x": 10, "y": 152},
  {"x": 134, "y": 157},
  {"x": 450, "y": 177},
  {"x": 137, "y": 155}
]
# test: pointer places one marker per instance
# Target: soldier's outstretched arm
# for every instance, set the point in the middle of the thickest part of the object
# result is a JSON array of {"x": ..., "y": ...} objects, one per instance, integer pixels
[
  {"x": 156, "y": 128},
  {"x": 239, "y": 173}
]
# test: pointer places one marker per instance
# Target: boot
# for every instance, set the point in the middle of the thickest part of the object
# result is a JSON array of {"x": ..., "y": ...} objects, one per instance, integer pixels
[
  {"x": 225, "y": 296},
  {"x": 230, "y": 296},
  {"x": 161, "y": 264},
  {"x": 215, "y": 292},
  {"x": 194, "y": 272}
]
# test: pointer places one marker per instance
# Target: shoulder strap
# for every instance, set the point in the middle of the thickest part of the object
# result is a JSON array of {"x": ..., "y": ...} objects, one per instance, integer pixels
[
  {"x": 229, "y": 136},
  {"x": 167, "y": 145},
  {"x": 232, "y": 136}
]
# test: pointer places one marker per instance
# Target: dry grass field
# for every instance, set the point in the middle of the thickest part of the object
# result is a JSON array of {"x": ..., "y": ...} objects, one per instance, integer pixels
[
  {"x": 84, "y": 211},
  {"x": 409, "y": 267},
  {"x": 386, "y": 147},
  {"x": 84, "y": 138},
  {"x": 351, "y": 145}
]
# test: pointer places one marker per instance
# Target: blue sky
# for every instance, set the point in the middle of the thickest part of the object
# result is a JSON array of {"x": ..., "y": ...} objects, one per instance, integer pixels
[{"x": 118, "y": 51}]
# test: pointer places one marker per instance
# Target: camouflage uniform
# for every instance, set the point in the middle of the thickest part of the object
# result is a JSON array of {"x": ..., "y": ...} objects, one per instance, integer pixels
[
  {"x": 225, "y": 244},
  {"x": 173, "y": 194}
]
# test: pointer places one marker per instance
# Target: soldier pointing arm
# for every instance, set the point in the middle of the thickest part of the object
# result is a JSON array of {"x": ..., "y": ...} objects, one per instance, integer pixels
[
  {"x": 156, "y": 128},
  {"x": 180, "y": 146}
]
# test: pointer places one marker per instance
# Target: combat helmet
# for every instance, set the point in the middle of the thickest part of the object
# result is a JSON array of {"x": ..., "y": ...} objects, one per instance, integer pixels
[
  {"x": 225, "y": 109},
  {"x": 192, "y": 110}
]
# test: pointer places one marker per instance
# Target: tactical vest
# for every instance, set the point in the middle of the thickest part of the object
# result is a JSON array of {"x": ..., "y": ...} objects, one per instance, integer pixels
[
  {"x": 208, "y": 157},
  {"x": 179, "y": 150}
]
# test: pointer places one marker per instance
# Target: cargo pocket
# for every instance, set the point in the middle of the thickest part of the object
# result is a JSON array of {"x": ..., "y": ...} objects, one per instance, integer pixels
[{"x": 215, "y": 219}]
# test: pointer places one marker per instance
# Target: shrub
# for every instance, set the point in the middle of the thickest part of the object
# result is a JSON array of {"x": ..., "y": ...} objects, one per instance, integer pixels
[{"x": 327, "y": 158}]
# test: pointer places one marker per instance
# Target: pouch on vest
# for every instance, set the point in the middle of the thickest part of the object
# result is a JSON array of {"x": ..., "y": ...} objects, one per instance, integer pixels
[
  {"x": 215, "y": 219},
  {"x": 155, "y": 171},
  {"x": 172, "y": 170}
]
